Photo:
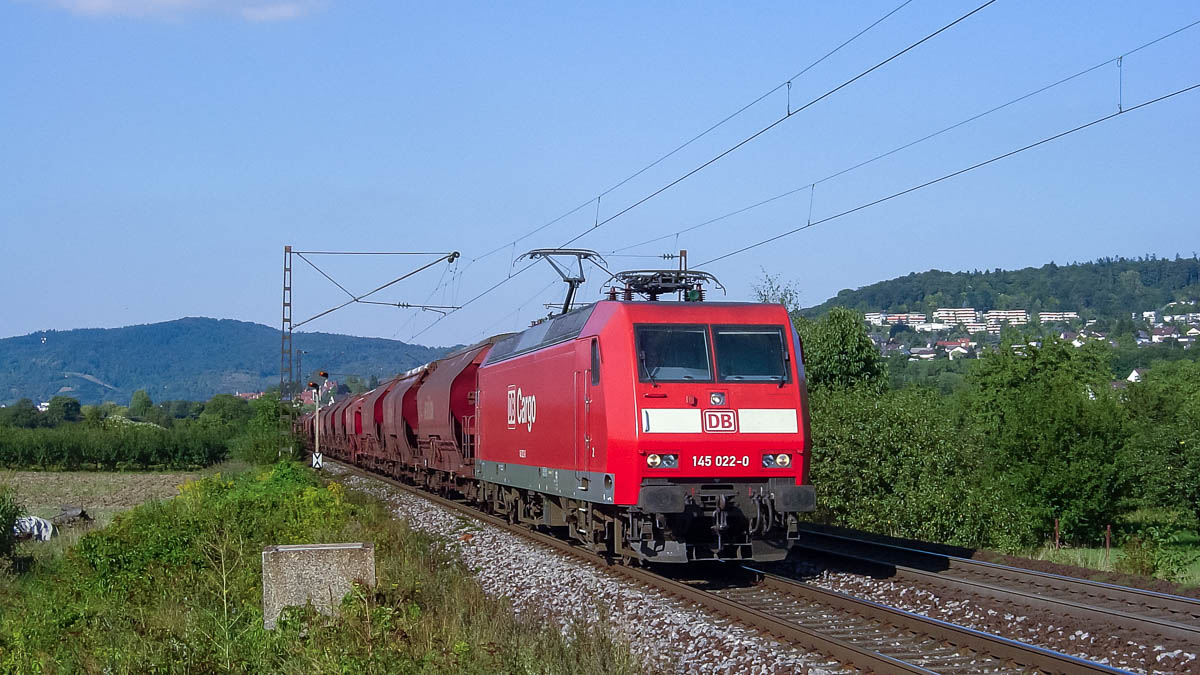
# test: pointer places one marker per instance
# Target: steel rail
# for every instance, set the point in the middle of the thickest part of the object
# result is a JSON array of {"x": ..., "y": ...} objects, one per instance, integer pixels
[
  {"x": 1005, "y": 649},
  {"x": 844, "y": 649},
  {"x": 1145, "y": 612}
]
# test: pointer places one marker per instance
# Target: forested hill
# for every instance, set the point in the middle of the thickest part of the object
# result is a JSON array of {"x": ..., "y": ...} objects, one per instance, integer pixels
[
  {"x": 190, "y": 358},
  {"x": 1109, "y": 288}
]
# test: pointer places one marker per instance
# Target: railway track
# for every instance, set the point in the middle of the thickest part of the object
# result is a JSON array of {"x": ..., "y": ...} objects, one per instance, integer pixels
[
  {"x": 1130, "y": 610},
  {"x": 861, "y": 635}
]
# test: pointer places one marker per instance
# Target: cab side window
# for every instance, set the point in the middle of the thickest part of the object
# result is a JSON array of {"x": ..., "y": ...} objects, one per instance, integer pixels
[{"x": 595, "y": 362}]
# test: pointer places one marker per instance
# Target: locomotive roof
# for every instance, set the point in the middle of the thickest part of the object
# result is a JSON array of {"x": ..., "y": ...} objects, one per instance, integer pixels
[{"x": 568, "y": 326}]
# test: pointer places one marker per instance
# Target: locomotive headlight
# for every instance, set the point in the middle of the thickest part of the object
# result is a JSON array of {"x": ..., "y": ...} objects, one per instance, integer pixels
[
  {"x": 716, "y": 398},
  {"x": 782, "y": 460},
  {"x": 657, "y": 461}
]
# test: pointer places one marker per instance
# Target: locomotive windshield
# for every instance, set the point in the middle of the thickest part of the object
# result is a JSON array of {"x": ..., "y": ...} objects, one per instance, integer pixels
[
  {"x": 750, "y": 353},
  {"x": 673, "y": 353}
]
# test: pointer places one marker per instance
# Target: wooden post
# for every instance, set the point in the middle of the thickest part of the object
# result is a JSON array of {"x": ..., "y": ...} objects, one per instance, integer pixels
[
  {"x": 1107, "y": 542},
  {"x": 1056, "y": 534}
]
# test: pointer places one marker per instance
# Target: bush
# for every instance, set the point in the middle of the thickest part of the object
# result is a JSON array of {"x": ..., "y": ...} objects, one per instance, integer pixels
[
  {"x": 116, "y": 445},
  {"x": 175, "y": 586},
  {"x": 1054, "y": 435},
  {"x": 262, "y": 441},
  {"x": 9, "y": 512},
  {"x": 892, "y": 463}
]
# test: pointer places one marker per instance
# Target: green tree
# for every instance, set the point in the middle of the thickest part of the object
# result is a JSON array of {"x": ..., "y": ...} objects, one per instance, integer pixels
[
  {"x": 63, "y": 409},
  {"x": 93, "y": 417},
  {"x": 1163, "y": 449},
  {"x": 355, "y": 384},
  {"x": 838, "y": 352},
  {"x": 1053, "y": 430},
  {"x": 225, "y": 409},
  {"x": 894, "y": 462},
  {"x": 140, "y": 404},
  {"x": 23, "y": 414},
  {"x": 770, "y": 288}
]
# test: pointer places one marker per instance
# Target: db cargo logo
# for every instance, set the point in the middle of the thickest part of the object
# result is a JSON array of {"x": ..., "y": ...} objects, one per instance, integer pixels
[
  {"x": 720, "y": 421},
  {"x": 522, "y": 410}
]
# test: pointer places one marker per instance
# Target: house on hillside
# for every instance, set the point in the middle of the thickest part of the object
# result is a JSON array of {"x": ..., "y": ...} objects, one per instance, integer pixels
[
  {"x": 931, "y": 327},
  {"x": 960, "y": 352},
  {"x": 922, "y": 354},
  {"x": 1136, "y": 375},
  {"x": 248, "y": 395},
  {"x": 1164, "y": 333},
  {"x": 1142, "y": 338}
]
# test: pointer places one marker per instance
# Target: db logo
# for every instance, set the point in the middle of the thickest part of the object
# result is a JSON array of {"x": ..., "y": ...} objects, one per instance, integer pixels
[
  {"x": 522, "y": 409},
  {"x": 720, "y": 421}
]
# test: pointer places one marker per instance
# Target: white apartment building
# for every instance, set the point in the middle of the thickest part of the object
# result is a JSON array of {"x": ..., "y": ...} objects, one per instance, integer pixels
[
  {"x": 956, "y": 315},
  {"x": 1057, "y": 317},
  {"x": 1010, "y": 316}
]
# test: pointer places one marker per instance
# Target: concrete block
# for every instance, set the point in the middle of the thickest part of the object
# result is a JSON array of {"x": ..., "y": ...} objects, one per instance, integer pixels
[{"x": 322, "y": 574}]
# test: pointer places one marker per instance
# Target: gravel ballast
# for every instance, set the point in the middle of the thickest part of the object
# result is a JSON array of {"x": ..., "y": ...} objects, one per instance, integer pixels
[
  {"x": 1036, "y": 628},
  {"x": 668, "y": 634}
]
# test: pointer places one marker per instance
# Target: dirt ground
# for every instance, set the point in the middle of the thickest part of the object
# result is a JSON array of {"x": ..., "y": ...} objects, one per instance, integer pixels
[{"x": 101, "y": 494}]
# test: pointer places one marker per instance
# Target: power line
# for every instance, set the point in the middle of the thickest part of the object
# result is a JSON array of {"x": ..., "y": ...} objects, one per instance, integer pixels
[
  {"x": 310, "y": 263},
  {"x": 370, "y": 253},
  {"x": 474, "y": 299},
  {"x": 781, "y": 85},
  {"x": 910, "y": 144},
  {"x": 711, "y": 161},
  {"x": 702, "y": 134},
  {"x": 997, "y": 158},
  {"x": 359, "y": 298},
  {"x": 779, "y": 121}
]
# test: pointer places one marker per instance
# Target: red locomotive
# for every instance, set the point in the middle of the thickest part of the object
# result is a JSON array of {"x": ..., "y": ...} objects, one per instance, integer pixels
[{"x": 650, "y": 431}]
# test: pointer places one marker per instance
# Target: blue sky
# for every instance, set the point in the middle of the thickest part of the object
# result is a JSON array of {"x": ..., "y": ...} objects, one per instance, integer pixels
[{"x": 156, "y": 155}]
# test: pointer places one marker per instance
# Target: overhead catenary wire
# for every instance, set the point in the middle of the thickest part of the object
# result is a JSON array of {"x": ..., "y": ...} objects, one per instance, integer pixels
[
  {"x": 905, "y": 146},
  {"x": 359, "y": 298},
  {"x": 948, "y": 176},
  {"x": 777, "y": 122},
  {"x": 322, "y": 273},
  {"x": 436, "y": 286},
  {"x": 685, "y": 144},
  {"x": 713, "y": 160}
]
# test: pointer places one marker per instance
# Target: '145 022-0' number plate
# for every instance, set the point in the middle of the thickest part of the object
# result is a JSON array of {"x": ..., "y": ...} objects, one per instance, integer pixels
[{"x": 720, "y": 460}]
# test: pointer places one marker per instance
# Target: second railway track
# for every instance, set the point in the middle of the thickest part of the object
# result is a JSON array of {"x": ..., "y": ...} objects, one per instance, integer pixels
[
  {"x": 860, "y": 634},
  {"x": 1131, "y": 610}
]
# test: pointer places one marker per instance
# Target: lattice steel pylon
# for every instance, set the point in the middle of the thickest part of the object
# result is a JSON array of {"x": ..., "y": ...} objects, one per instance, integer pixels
[{"x": 286, "y": 374}]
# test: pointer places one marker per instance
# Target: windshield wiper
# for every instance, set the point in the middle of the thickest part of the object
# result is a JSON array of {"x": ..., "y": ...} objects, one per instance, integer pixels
[{"x": 642, "y": 360}]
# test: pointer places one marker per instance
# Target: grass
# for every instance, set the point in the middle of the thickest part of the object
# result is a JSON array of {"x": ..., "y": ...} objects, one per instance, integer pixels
[
  {"x": 1152, "y": 542},
  {"x": 101, "y": 494},
  {"x": 175, "y": 586}
]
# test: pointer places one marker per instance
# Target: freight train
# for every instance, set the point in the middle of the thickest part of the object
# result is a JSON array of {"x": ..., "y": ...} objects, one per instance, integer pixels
[{"x": 649, "y": 431}]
